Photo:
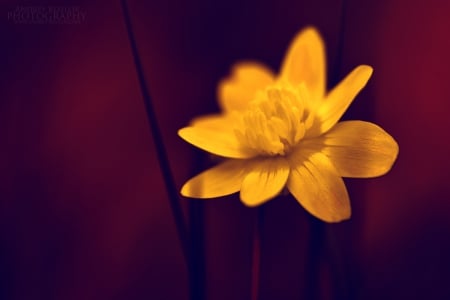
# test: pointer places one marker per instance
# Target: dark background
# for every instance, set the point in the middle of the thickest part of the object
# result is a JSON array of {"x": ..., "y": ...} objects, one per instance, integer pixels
[{"x": 83, "y": 211}]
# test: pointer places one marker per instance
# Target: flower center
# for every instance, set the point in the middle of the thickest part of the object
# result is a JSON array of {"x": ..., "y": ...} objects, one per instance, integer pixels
[{"x": 276, "y": 120}]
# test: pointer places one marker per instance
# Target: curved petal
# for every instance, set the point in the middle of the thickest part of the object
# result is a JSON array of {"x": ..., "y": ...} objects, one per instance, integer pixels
[
  {"x": 339, "y": 99},
  {"x": 218, "y": 142},
  {"x": 264, "y": 181},
  {"x": 236, "y": 91},
  {"x": 221, "y": 180},
  {"x": 305, "y": 62},
  {"x": 360, "y": 149},
  {"x": 317, "y": 186}
]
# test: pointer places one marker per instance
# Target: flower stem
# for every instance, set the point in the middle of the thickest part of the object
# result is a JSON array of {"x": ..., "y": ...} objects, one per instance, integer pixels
[
  {"x": 336, "y": 257},
  {"x": 315, "y": 243},
  {"x": 340, "y": 46},
  {"x": 197, "y": 257},
  {"x": 338, "y": 266},
  {"x": 158, "y": 140},
  {"x": 256, "y": 254}
]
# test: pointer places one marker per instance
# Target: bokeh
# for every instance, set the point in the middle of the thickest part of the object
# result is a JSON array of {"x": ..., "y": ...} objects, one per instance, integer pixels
[{"x": 83, "y": 210}]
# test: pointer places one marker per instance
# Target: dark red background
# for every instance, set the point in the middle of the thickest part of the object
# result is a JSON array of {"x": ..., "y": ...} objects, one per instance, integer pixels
[{"x": 83, "y": 212}]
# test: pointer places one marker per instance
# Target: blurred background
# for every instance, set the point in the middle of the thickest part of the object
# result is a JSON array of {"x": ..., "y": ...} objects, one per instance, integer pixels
[{"x": 83, "y": 211}]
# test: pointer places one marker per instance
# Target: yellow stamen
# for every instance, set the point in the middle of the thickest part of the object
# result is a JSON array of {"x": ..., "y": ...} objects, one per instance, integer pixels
[{"x": 275, "y": 121}]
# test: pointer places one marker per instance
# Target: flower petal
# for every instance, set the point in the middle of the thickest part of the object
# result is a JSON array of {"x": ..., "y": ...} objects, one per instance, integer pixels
[
  {"x": 305, "y": 62},
  {"x": 264, "y": 181},
  {"x": 360, "y": 149},
  {"x": 221, "y": 180},
  {"x": 218, "y": 142},
  {"x": 339, "y": 99},
  {"x": 215, "y": 121},
  {"x": 317, "y": 186},
  {"x": 236, "y": 91}
]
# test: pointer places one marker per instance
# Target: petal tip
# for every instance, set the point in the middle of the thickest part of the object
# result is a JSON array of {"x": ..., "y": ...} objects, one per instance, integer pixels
[
  {"x": 249, "y": 201},
  {"x": 310, "y": 30},
  {"x": 186, "y": 191},
  {"x": 183, "y": 191},
  {"x": 393, "y": 157},
  {"x": 181, "y": 132},
  {"x": 365, "y": 71},
  {"x": 309, "y": 35},
  {"x": 338, "y": 216}
]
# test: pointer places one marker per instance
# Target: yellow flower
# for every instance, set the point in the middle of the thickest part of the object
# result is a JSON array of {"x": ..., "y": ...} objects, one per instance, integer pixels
[{"x": 283, "y": 131}]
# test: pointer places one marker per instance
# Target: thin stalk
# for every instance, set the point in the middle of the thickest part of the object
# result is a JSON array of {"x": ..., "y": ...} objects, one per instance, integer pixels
[
  {"x": 158, "y": 140},
  {"x": 315, "y": 247},
  {"x": 340, "y": 46},
  {"x": 336, "y": 258},
  {"x": 197, "y": 258},
  {"x": 256, "y": 254}
]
